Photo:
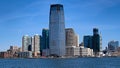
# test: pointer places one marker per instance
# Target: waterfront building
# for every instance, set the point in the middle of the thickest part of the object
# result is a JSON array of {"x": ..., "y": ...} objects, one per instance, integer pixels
[
  {"x": 4, "y": 54},
  {"x": 12, "y": 51},
  {"x": 76, "y": 41},
  {"x": 33, "y": 44},
  {"x": 37, "y": 43},
  {"x": 72, "y": 51},
  {"x": 19, "y": 49},
  {"x": 100, "y": 42},
  {"x": 70, "y": 37},
  {"x": 71, "y": 42},
  {"x": 27, "y": 54},
  {"x": 26, "y": 43},
  {"x": 57, "y": 30},
  {"x": 45, "y": 52},
  {"x": 96, "y": 42},
  {"x": 86, "y": 52},
  {"x": 88, "y": 41},
  {"x": 113, "y": 45},
  {"x": 44, "y": 39}
]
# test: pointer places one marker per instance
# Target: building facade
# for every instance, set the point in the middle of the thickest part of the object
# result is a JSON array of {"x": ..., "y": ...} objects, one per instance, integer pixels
[
  {"x": 37, "y": 43},
  {"x": 57, "y": 30},
  {"x": 73, "y": 51},
  {"x": 86, "y": 52},
  {"x": 70, "y": 37},
  {"x": 25, "y": 54},
  {"x": 96, "y": 42},
  {"x": 76, "y": 41},
  {"x": 44, "y": 47},
  {"x": 113, "y": 45},
  {"x": 26, "y": 43},
  {"x": 45, "y": 39},
  {"x": 88, "y": 41}
]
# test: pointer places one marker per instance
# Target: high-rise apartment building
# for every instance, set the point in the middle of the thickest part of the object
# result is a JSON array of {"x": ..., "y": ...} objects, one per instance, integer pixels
[
  {"x": 32, "y": 43},
  {"x": 26, "y": 43},
  {"x": 70, "y": 37},
  {"x": 57, "y": 30},
  {"x": 37, "y": 43},
  {"x": 72, "y": 45}
]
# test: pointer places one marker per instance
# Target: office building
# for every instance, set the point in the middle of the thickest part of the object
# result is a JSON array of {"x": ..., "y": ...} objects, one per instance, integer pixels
[
  {"x": 57, "y": 30},
  {"x": 44, "y": 46},
  {"x": 96, "y": 41},
  {"x": 25, "y": 54},
  {"x": 113, "y": 45},
  {"x": 70, "y": 37},
  {"x": 88, "y": 41},
  {"x": 72, "y": 51},
  {"x": 26, "y": 43},
  {"x": 45, "y": 39},
  {"x": 86, "y": 52},
  {"x": 76, "y": 41}
]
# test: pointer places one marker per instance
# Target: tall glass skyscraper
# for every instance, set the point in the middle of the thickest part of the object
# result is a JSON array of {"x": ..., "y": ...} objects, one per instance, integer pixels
[
  {"x": 45, "y": 39},
  {"x": 57, "y": 30}
]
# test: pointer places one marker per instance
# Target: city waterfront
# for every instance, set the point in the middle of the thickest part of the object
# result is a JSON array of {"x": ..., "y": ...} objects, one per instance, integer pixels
[{"x": 112, "y": 62}]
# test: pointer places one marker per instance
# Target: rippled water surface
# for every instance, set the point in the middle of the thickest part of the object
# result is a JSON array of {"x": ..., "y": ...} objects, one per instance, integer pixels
[{"x": 61, "y": 63}]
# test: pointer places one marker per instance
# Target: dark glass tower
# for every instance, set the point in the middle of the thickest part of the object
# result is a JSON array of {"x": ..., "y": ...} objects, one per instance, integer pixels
[
  {"x": 96, "y": 41},
  {"x": 45, "y": 39},
  {"x": 88, "y": 41},
  {"x": 57, "y": 30}
]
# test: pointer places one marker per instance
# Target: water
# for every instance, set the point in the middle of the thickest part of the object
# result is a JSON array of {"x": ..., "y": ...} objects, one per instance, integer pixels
[{"x": 61, "y": 63}]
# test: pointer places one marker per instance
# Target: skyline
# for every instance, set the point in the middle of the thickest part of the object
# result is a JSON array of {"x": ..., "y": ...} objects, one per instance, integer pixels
[{"x": 82, "y": 16}]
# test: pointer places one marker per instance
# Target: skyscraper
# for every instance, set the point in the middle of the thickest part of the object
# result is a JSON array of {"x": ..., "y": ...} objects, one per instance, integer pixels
[
  {"x": 57, "y": 30},
  {"x": 45, "y": 39},
  {"x": 96, "y": 41},
  {"x": 70, "y": 37},
  {"x": 37, "y": 43},
  {"x": 26, "y": 43},
  {"x": 44, "y": 46},
  {"x": 72, "y": 46},
  {"x": 76, "y": 41}
]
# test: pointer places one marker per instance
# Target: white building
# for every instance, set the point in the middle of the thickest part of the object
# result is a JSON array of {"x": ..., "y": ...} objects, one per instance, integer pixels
[
  {"x": 86, "y": 52},
  {"x": 26, "y": 43}
]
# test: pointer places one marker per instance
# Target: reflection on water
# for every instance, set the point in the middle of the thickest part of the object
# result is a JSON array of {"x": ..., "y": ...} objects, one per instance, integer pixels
[{"x": 61, "y": 63}]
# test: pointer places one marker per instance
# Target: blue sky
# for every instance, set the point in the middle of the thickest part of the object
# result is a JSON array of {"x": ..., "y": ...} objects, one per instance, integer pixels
[{"x": 29, "y": 17}]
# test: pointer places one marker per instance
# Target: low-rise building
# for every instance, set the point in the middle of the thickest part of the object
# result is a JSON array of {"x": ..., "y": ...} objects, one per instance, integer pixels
[
  {"x": 25, "y": 54},
  {"x": 73, "y": 51},
  {"x": 4, "y": 54},
  {"x": 86, "y": 52}
]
